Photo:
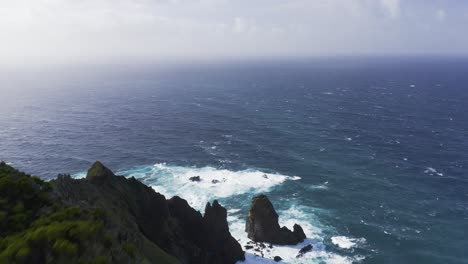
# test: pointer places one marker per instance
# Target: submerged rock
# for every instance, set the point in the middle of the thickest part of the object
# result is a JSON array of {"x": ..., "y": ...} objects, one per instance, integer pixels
[
  {"x": 304, "y": 250},
  {"x": 195, "y": 178},
  {"x": 277, "y": 258},
  {"x": 214, "y": 181},
  {"x": 262, "y": 224}
]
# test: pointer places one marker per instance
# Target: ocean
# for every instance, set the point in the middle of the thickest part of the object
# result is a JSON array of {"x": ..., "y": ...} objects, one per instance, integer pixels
[{"x": 368, "y": 155}]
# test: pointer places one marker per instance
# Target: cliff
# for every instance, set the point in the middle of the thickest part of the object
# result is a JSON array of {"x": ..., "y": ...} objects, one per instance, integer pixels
[{"x": 106, "y": 218}]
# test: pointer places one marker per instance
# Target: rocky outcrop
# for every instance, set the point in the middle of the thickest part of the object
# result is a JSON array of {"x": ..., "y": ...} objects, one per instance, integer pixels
[
  {"x": 98, "y": 172},
  {"x": 145, "y": 219},
  {"x": 219, "y": 243},
  {"x": 195, "y": 178},
  {"x": 304, "y": 250},
  {"x": 262, "y": 224}
]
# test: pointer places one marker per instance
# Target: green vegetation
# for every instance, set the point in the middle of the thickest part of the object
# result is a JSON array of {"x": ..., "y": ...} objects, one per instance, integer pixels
[
  {"x": 98, "y": 170},
  {"x": 34, "y": 229},
  {"x": 36, "y": 226},
  {"x": 21, "y": 197},
  {"x": 129, "y": 249},
  {"x": 100, "y": 260}
]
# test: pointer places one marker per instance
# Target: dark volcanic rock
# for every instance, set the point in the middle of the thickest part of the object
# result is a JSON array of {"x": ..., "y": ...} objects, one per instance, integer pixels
[
  {"x": 298, "y": 233},
  {"x": 262, "y": 225},
  {"x": 220, "y": 244},
  {"x": 304, "y": 250},
  {"x": 144, "y": 218},
  {"x": 277, "y": 258},
  {"x": 195, "y": 178},
  {"x": 188, "y": 218}
]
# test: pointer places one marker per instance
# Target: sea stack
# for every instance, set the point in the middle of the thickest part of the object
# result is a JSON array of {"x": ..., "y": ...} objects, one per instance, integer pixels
[{"x": 262, "y": 224}]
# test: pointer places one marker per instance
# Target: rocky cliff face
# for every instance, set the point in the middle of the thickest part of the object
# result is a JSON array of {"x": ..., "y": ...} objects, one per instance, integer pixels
[
  {"x": 134, "y": 225},
  {"x": 262, "y": 225},
  {"x": 221, "y": 245},
  {"x": 171, "y": 224}
]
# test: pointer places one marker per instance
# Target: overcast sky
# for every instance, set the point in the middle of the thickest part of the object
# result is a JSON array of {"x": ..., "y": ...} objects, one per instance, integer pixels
[{"x": 81, "y": 30}]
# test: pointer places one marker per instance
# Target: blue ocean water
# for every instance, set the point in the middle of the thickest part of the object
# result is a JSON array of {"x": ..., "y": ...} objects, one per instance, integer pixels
[{"x": 369, "y": 155}]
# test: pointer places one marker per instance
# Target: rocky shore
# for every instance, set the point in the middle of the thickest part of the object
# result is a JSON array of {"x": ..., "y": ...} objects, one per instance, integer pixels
[{"x": 106, "y": 218}]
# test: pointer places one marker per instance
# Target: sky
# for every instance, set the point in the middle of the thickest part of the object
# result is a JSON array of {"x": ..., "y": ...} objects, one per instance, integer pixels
[{"x": 43, "y": 31}]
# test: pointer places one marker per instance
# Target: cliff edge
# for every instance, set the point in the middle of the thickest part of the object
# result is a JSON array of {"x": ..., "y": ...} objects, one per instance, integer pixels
[{"x": 106, "y": 218}]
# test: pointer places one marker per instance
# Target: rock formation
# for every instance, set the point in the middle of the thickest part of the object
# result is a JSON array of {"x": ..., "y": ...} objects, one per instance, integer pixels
[
  {"x": 98, "y": 172},
  {"x": 219, "y": 242},
  {"x": 277, "y": 259},
  {"x": 113, "y": 219},
  {"x": 262, "y": 225},
  {"x": 304, "y": 250},
  {"x": 195, "y": 178}
]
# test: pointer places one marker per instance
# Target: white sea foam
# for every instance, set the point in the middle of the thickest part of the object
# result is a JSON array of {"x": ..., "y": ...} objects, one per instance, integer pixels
[
  {"x": 299, "y": 215},
  {"x": 233, "y": 211},
  {"x": 347, "y": 242},
  {"x": 214, "y": 184},
  {"x": 431, "y": 171},
  {"x": 79, "y": 175}
]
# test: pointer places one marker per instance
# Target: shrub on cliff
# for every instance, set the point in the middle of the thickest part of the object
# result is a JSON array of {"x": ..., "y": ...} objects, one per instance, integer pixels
[{"x": 35, "y": 229}]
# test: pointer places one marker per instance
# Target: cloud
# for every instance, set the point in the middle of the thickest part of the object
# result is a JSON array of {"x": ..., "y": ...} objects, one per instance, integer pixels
[
  {"x": 240, "y": 25},
  {"x": 392, "y": 7},
  {"x": 244, "y": 25},
  {"x": 68, "y": 30},
  {"x": 441, "y": 14}
]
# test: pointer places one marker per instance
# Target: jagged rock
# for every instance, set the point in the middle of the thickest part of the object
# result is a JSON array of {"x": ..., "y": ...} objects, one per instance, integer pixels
[
  {"x": 195, "y": 178},
  {"x": 190, "y": 220},
  {"x": 304, "y": 250},
  {"x": 262, "y": 224},
  {"x": 248, "y": 247},
  {"x": 277, "y": 258},
  {"x": 140, "y": 216},
  {"x": 299, "y": 232},
  {"x": 98, "y": 172},
  {"x": 223, "y": 248}
]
